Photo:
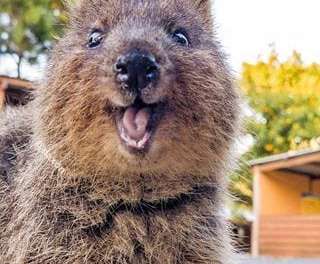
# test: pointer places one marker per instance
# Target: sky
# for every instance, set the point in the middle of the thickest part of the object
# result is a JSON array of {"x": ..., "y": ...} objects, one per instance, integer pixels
[{"x": 249, "y": 29}]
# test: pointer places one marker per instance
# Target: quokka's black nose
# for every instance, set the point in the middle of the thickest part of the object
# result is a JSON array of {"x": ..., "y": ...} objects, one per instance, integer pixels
[{"x": 137, "y": 69}]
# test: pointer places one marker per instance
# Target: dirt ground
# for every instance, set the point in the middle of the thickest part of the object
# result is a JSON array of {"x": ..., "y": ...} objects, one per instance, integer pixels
[{"x": 250, "y": 260}]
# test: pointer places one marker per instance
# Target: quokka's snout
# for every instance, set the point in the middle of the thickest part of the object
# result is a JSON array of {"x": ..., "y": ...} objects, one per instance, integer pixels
[
  {"x": 141, "y": 69},
  {"x": 137, "y": 70}
]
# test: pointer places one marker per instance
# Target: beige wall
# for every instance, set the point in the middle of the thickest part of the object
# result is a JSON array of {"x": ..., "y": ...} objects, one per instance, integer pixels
[{"x": 281, "y": 193}]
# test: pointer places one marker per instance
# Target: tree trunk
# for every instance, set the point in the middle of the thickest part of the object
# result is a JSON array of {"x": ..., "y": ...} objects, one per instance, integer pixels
[{"x": 19, "y": 66}]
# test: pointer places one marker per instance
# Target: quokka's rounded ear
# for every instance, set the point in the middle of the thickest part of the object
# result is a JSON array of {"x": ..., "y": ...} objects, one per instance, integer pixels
[
  {"x": 201, "y": 3},
  {"x": 76, "y": 10},
  {"x": 204, "y": 6}
]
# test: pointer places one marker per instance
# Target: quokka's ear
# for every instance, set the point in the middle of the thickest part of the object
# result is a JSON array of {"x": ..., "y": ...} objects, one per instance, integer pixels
[
  {"x": 203, "y": 3},
  {"x": 204, "y": 6}
]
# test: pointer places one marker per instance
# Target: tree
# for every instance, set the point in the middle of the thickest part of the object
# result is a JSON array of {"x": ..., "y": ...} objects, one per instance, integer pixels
[
  {"x": 284, "y": 98},
  {"x": 27, "y": 28}
]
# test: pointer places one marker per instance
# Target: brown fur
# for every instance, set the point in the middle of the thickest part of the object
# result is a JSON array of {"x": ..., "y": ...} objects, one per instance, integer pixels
[{"x": 72, "y": 194}]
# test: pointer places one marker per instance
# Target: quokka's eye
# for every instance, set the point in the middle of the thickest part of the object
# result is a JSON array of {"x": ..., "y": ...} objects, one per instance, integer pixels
[
  {"x": 95, "y": 39},
  {"x": 180, "y": 36}
]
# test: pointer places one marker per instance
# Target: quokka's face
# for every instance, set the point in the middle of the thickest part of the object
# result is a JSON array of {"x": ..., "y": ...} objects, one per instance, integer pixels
[{"x": 141, "y": 85}]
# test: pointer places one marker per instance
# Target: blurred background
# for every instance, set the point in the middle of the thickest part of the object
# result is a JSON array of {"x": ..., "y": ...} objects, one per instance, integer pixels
[{"x": 273, "y": 48}]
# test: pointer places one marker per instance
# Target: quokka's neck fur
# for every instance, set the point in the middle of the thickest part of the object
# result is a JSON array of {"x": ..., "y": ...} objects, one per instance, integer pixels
[{"x": 61, "y": 219}]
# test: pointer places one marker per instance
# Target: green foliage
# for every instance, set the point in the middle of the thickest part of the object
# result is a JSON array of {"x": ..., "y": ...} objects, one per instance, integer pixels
[
  {"x": 286, "y": 98},
  {"x": 28, "y": 27},
  {"x": 285, "y": 101}
]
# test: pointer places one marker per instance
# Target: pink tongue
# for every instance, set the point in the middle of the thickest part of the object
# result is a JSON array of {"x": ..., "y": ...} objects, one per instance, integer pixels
[{"x": 135, "y": 122}]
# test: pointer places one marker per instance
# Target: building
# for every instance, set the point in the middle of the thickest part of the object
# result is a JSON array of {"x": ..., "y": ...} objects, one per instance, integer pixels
[
  {"x": 14, "y": 91},
  {"x": 287, "y": 205}
]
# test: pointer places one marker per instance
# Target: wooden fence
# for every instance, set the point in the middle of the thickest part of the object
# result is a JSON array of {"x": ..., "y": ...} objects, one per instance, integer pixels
[{"x": 289, "y": 236}]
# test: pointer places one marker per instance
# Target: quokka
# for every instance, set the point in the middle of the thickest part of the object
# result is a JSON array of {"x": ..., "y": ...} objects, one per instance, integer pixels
[{"x": 123, "y": 155}]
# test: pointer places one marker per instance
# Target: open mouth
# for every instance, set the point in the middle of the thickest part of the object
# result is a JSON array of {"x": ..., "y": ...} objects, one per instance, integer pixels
[{"x": 137, "y": 124}]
